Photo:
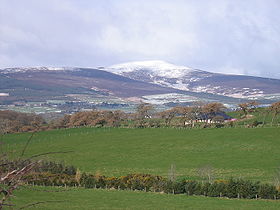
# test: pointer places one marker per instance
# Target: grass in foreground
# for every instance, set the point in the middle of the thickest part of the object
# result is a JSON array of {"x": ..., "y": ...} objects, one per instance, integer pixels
[
  {"x": 233, "y": 152},
  {"x": 75, "y": 198}
]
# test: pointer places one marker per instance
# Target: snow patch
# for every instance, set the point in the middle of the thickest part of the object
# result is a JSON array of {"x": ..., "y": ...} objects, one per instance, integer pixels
[
  {"x": 156, "y": 68},
  {"x": 4, "y": 94},
  {"x": 41, "y": 68},
  {"x": 168, "y": 98}
]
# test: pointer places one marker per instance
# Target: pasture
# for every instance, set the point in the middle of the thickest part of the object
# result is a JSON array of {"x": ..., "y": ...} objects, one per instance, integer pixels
[
  {"x": 74, "y": 198},
  {"x": 249, "y": 153}
]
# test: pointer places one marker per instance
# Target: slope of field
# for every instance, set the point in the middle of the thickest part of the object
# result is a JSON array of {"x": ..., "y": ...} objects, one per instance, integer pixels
[
  {"x": 102, "y": 199},
  {"x": 260, "y": 115},
  {"x": 233, "y": 152}
]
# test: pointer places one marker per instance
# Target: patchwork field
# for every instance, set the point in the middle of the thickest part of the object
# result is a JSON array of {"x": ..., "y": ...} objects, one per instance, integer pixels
[{"x": 232, "y": 152}]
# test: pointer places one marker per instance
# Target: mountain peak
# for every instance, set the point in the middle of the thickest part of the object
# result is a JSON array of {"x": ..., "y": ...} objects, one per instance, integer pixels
[{"x": 156, "y": 67}]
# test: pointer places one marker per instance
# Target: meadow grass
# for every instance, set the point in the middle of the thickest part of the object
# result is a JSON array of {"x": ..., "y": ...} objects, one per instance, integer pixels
[
  {"x": 250, "y": 153},
  {"x": 79, "y": 198}
]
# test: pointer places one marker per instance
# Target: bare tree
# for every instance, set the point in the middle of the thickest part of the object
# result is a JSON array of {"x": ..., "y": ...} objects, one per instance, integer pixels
[
  {"x": 168, "y": 115},
  {"x": 275, "y": 109},
  {"x": 143, "y": 111},
  {"x": 172, "y": 173},
  {"x": 244, "y": 108},
  {"x": 276, "y": 178},
  {"x": 211, "y": 109},
  {"x": 206, "y": 172},
  {"x": 10, "y": 180},
  {"x": 187, "y": 114},
  {"x": 248, "y": 107},
  {"x": 264, "y": 113},
  {"x": 13, "y": 171},
  {"x": 253, "y": 105}
]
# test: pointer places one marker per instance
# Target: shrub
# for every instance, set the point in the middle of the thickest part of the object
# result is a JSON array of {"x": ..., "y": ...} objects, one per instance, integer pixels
[{"x": 232, "y": 188}]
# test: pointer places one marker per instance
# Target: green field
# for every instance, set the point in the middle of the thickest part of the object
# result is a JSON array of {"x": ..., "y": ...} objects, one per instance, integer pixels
[
  {"x": 250, "y": 153},
  {"x": 112, "y": 199},
  {"x": 232, "y": 152}
]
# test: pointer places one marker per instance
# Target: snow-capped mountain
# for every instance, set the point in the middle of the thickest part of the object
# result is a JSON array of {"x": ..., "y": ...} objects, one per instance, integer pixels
[
  {"x": 45, "y": 83},
  {"x": 159, "y": 72},
  {"x": 185, "y": 78},
  {"x": 144, "y": 78}
]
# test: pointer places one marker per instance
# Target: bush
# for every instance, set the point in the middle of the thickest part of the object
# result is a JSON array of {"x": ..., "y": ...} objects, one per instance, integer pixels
[
  {"x": 146, "y": 182},
  {"x": 55, "y": 168}
]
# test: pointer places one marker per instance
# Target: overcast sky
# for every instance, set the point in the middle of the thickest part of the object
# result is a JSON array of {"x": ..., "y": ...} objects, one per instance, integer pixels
[{"x": 229, "y": 36}]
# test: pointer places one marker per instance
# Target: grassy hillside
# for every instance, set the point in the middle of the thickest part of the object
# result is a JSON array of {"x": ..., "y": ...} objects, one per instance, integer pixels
[
  {"x": 262, "y": 115},
  {"x": 102, "y": 199},
  {"x": 233, "y": 152}
]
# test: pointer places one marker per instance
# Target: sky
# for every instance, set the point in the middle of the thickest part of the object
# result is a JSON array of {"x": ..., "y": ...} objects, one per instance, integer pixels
[{"x": 226, "y": 36}]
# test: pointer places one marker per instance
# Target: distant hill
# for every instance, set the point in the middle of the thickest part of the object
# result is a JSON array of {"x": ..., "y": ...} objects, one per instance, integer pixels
[
  {"x": 185, "y": 78},
  {"x": 155, "y": 82},
  {"x": 42, "y": 81}
]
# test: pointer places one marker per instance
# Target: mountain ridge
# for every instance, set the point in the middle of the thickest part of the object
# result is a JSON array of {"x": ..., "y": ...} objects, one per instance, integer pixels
[
  {"x": 159, "y": 73},
  {"x": 195, "y": 80}
]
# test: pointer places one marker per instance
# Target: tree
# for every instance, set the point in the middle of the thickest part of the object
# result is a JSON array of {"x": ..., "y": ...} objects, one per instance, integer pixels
[
  {"x": 168, "y": 115},
  {"x": 253, "y": 105},
  {"x": 248, "y": 107},
  {"x": 20, "y": 122},
  {"x": 211, "y": 109},
  {"x": 276, "y": 178},
  {"x": 143, "y": 111},
  {"x": 275, "y": 109},
  {"x": 206, "y": 172},
  {"x": 264, "y": 113},
  {"x": 244, "y": 108},
  {"x": 114, "y": 118},
  {"x": 172, "y": 173},
  {"x": 188, "y": 115}
]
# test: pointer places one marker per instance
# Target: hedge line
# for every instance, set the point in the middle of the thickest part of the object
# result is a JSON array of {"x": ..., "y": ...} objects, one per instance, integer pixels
[{"x": 233, "y": 188}]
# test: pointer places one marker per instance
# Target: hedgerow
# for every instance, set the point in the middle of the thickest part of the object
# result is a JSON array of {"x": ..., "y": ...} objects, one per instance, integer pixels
[{"x": 233, "y": 188}]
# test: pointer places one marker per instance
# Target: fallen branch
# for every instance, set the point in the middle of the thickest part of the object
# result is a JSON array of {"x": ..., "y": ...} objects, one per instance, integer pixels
[{"x": 40, "y": 202}]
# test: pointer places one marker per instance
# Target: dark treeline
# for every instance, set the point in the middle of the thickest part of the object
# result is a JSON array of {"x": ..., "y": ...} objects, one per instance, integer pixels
[
  {"x": 12, "y": 122},
  {"x": 198, "y": 115}
]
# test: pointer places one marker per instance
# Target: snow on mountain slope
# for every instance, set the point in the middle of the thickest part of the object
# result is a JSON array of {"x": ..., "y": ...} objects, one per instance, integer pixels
[
  {"x": 178, "y": 77},
  {"x": 158, "y": 72},
  {"x": 25, "y": 69},
  {"x": 185, "y": 78},
  {"x": 157, "y": 68}
]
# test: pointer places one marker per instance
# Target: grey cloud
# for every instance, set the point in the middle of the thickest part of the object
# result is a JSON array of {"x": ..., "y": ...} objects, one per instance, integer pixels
[{"x": 220, "y": 35}]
